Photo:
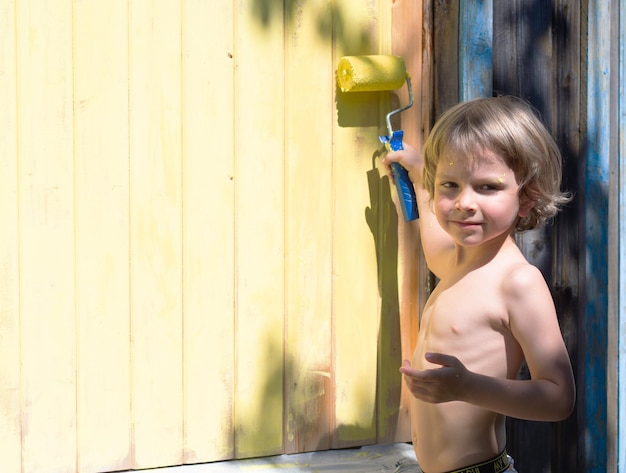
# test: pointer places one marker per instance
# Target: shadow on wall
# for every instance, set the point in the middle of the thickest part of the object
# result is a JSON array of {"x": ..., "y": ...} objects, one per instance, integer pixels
[
  {"x": 330, "y": 19},
  {"x": 259, "y": 412},
  {"x": 382, "y": 219},
  {"x": 291, "y": 408}
]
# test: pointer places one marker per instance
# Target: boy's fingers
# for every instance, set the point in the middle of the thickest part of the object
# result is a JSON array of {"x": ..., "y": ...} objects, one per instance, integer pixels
[
  {"x": 406, "y": 367},
  {"x": 391, "y": 157},
  {"x": 440, "y": 359}
]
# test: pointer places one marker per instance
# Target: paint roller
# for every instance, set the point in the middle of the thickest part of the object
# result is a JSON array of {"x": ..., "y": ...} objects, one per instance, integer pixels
[{"x": 376, "y": 73}]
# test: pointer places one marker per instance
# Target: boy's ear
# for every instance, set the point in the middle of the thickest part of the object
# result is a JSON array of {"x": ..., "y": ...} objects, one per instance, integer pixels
[{"x": 526, "y": 203}]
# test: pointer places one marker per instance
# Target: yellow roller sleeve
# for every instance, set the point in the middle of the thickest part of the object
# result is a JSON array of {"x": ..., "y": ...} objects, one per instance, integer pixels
[{"x": 370, "y": 73}]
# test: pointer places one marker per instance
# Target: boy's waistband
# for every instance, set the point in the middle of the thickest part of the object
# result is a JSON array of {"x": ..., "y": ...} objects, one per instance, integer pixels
[{"x": 497, "y": 465}]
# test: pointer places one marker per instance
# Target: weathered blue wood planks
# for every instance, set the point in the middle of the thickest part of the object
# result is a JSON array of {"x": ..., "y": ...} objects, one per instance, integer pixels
[
  {"x": 621, "y": 219},
  {"x": 594, "y": 323},
  {"x": 475, "y": 49}
]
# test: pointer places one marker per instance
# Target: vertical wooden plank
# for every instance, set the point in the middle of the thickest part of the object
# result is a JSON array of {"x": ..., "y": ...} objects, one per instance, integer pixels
[
  {"x": 428, "y": 90},
  {"x": 621, "y": 250},
  {"x": 593, "y": 329},
  {"x": 475, "y": 40},
  {"x": 523, "y": 66},
  {"x": 613, "y": 287},
  {"x": 406, "y": 43},
  {"x": 10, "y": 413},
  {"x": 382, "y": 220},
  {"x": 446, "y": 44},
  {"x": 155, "y": 232},
  {"x": 355, "y": 301},
  {"x": 260, "y": 228},
  {"x": 208, "y": 229},
  {"x": 427, "y": 117},
  {"x": 46, "y": 213},
  {"x": 102, "y": 246},
  {"x": 567, "y": 285},
  {"x": 523, "y": 55},
  {"x": 308, "y": 183}
]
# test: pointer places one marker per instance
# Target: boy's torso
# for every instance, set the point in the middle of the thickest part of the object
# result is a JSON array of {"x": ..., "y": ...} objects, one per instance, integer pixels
[{"x": 465, "y": 317}]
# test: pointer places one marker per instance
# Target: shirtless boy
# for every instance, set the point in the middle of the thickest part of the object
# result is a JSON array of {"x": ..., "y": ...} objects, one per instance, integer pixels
[{"x": 490, "y": 168}]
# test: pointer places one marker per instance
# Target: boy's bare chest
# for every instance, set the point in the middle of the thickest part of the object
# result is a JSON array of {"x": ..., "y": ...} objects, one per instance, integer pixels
[
  {"x": 463, "y": 315},
  {"x": 470, "y": 296}
]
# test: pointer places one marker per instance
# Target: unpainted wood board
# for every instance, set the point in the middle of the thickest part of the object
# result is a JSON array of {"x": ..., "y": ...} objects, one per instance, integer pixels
[
  {"x": 46, "y": 224},
  {"x": 355, "y": 304},
  {"x": 309, "y": 77},
  {"x": 10, "y": 411},
  {"x": 102, "y": 232},
  {"x": 425, "y": 278},
  {"x": 260, "y": 230},
  {"x": 427, "y": 76},
  {"x": 208, "y": 230},
  {"x": 566, "y": 128},
  {"x": 523, "y": 66},
  {"x": 445, "y": 54},
  {"x": 523, "y": 52},
  {"x": 156, "y": 233}
]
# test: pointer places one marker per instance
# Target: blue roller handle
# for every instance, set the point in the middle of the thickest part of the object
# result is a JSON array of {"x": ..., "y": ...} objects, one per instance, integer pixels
[{"x": 404, "y": 186}]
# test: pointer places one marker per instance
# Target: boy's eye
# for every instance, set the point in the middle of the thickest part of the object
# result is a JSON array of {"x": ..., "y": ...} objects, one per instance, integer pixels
[
  {"x": 448, "y": 185},
  {"x": 489, "y": 187}
]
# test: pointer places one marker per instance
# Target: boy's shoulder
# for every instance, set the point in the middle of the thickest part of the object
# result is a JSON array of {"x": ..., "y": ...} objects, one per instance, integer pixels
[{"x": 521, "y": 279}]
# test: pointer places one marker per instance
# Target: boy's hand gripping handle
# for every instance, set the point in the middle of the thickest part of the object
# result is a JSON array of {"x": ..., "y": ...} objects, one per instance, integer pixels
[{"x": 404, "y": 186}]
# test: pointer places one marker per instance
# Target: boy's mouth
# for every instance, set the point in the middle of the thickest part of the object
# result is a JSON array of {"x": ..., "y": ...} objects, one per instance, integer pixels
[{"x": 466, "y": 224}]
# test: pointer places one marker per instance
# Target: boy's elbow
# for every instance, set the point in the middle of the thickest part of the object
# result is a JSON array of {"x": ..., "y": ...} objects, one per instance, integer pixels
[
  {"x": 562, "y": 413},
  {"x": 561, "y": 402},
  {"x": 566, "y": 396},
  {"x": 566, "y": 405}
]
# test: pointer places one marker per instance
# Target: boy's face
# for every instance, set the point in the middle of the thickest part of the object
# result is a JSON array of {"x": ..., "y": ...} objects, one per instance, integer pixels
[{"x": 476, "y": 196}]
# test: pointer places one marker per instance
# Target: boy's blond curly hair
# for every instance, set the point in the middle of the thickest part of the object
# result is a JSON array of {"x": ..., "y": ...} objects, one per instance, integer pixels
[{"x": 509, "y": 127}]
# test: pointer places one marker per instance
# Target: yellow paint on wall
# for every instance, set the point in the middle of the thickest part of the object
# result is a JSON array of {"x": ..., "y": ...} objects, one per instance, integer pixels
[
  {"x": 309, "y": 229},
  {"x": 260, "y": 231},
  {"x": 208, "y": 230},
  {"x": 189, "y": 272},
  {"x": 45, "y": 149},
  {"x": 155, "y": 233},
  {"x": 102, "y": 235},
  {"x": 355, "y": 289},
  {"x": 10, "y": 412}
]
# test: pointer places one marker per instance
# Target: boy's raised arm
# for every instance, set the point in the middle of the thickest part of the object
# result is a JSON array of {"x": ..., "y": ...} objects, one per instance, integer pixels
[{"x": 438, "y": 246}]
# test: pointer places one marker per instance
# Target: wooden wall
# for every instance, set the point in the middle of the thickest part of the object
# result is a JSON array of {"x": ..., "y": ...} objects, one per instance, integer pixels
[
  {"x": 533, "y": 50},
  {"x": 566, "y": 58},
  {"x": 199, "y": 255}
]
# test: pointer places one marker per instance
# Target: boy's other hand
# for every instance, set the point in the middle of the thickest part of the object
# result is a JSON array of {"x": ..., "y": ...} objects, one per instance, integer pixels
[{"x": 436, "y": 385}]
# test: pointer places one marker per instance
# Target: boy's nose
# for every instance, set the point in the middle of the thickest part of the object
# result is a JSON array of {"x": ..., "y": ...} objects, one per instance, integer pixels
[{"x": 466, "y": 201}]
